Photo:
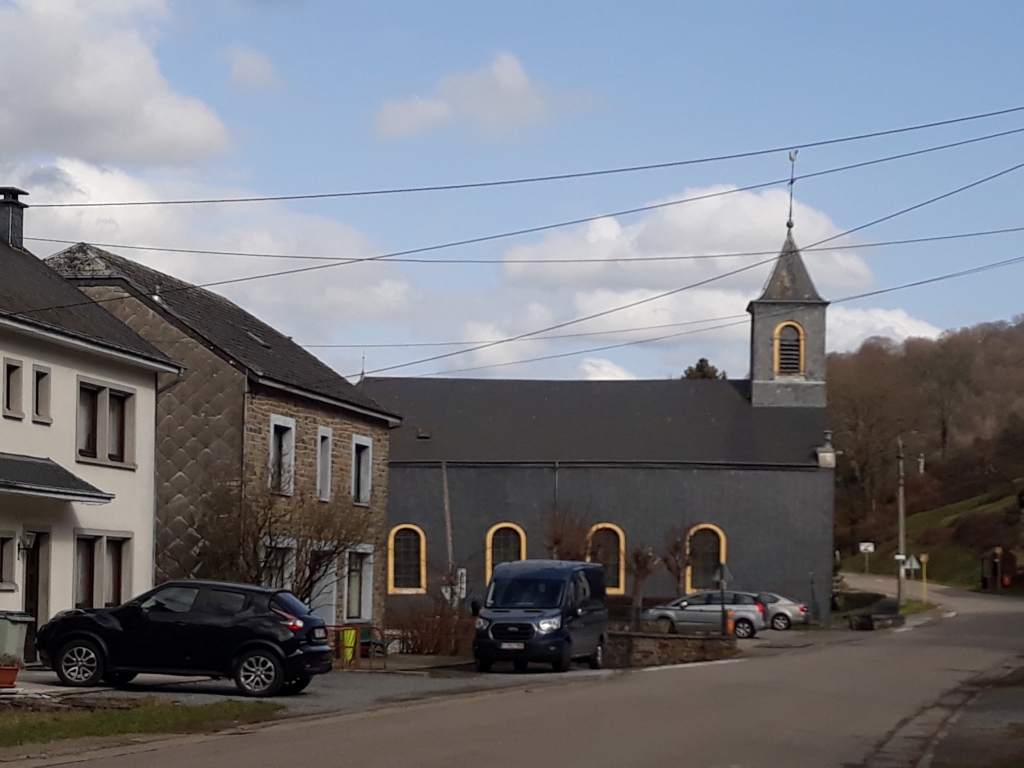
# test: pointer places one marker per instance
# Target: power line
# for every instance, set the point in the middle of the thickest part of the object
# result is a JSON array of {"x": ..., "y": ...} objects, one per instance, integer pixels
[
  {"x": 891, "y": 289},
  {"x": 594, "y": 260},
  {"x": 558, "y": 225},
  {"x": 406, "y": 345},
  {"x": 698, "y": 284},
  {"x": 581, "y": 334},
  {"x": 397, "y": 256},
  {"x": 538, "y": 179}
]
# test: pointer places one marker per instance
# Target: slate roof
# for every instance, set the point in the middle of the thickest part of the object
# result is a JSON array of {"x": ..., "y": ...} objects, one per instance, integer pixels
[
  {"x": 32, "y": 293},
  {"x": 225, "y": 326},
  {"x": 44, "y": 477},
  {"x": 790, "y": 280},
  {"x": 501, "y": 420}
]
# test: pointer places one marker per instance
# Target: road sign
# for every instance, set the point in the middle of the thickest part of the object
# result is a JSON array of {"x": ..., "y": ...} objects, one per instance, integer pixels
[
  {"x": 901, "y": 558},
  {"x": 924, "y": 559},
  {"x": 913, "y": 564},
  {"x": 867, "y": 547},
  {"x": 722, "y": 574}
]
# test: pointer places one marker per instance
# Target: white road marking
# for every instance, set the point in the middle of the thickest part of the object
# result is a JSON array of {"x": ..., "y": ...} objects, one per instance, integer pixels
[
  {"x": 691, "y": 665},
  {"x": 903, "y": 629},
  {"x": 949, "y": 615}
]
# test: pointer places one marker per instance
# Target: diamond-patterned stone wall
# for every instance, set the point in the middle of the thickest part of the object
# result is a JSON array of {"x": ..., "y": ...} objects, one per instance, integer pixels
[{"x": 200, "y": 417}]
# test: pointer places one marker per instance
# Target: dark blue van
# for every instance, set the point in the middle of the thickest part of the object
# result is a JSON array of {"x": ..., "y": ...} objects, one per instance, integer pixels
[{"x": 548, "y": 611}]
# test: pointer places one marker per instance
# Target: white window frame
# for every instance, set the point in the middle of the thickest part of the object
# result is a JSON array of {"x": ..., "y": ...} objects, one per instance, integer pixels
[
  {"x": 287, "y": 455},
  {"x": 324, "y": 436},
  {"x": 365, "y": 482},
  {"x": 367, "y": 596}
]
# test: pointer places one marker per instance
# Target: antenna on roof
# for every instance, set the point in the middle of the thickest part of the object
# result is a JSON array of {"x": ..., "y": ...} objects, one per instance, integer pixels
[
  {"x": 362, "y": 371},
  {"x": 792, "y": 181}
]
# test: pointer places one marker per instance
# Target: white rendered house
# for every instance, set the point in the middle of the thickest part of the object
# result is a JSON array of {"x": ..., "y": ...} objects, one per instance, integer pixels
[{"x": 77, "y": 430}]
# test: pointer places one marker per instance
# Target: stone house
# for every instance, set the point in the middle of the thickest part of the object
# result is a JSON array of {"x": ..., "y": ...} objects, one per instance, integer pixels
[
  {"x": 743, "y": 469},
  {"x": 77, "y": 432},
  {"x": 252, "y": 406}
]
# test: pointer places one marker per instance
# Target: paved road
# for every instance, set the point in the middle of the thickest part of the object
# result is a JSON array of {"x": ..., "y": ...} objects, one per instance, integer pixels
[{"x": 830, "y": 704}]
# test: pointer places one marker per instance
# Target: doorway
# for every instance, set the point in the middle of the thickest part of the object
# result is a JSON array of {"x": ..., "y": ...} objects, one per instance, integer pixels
[{"x": 37, "y": 588}]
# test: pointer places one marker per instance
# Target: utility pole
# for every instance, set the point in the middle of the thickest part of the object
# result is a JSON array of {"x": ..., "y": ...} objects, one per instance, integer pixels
[{"x": 902, "y": 527}]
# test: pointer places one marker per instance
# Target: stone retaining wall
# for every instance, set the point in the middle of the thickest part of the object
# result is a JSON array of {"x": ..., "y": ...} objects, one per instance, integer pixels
[{"x": 641, "y": 649}]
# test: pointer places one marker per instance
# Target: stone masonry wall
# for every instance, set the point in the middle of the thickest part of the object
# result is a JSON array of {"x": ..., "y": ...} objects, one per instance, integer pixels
[
  {"x": 262, "y": 402},
  {"x": 636, "y": 649}
]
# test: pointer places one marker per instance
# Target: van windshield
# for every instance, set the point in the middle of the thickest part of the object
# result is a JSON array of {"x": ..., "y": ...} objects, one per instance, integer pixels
[{"x": 525, "y": 593}]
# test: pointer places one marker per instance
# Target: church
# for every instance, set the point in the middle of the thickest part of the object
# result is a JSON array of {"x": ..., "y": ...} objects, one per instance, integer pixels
[{"x": 733, "y": 471}]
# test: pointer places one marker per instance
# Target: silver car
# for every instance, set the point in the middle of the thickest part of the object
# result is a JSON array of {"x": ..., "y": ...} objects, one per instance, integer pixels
[
  {"x": 783, "y": 612},
  {"x": 703, "y": 611}
]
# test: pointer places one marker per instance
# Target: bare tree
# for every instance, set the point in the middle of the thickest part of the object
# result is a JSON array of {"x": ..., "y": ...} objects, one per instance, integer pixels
[
  {"x": 673, "y": 555},
  {"x": 261, "y": 537},
  {"x": 641, "y": 562},
  {"x": 566, "y": 534}
]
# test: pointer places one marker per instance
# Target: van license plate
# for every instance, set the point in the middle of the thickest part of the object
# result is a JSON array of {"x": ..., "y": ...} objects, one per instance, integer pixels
[{"x": 512, "y": 646}]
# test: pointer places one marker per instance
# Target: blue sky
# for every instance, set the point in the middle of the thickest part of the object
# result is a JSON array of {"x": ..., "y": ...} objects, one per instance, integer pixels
[{"x": 144, "y": 99}]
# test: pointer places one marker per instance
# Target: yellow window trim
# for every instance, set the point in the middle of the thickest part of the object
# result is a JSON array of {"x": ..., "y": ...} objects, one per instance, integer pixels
[
  {"x": 392, "y": 589},
  {"x": 490, "y": 538},
  {"x": 778, "y": 335},
  {"x": 621, "y": 589},
  {"x": 722, "y": 551}
]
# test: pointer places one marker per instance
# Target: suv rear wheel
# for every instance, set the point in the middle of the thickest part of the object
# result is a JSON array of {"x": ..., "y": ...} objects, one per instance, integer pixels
[
  {"x": 79, "y": 663},
  {"x": 259, "y": 673}
]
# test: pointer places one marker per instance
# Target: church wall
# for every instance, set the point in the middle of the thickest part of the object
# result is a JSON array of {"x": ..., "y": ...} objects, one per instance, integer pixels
[{"x": 778, "y": 522}]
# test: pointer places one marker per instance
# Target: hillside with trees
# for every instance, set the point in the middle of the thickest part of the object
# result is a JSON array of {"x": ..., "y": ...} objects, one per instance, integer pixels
[{"x": 957, "y": 404}]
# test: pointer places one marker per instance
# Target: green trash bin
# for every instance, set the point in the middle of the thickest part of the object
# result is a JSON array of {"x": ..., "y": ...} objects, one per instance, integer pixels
[{"x": 13, "y": 630}]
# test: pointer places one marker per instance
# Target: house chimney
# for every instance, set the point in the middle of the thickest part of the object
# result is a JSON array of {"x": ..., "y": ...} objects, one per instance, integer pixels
[{"x": 12, "y": 216}]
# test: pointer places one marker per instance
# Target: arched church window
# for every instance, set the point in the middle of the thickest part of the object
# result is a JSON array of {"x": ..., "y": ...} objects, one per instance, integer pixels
[
  {"x": 407, "y": 560},
  {"x": 606, "y": 544},
  {"x": 789, "y": 349},
  {"x": 705, "y": 549},
  {"x": 506, "y": 543}
]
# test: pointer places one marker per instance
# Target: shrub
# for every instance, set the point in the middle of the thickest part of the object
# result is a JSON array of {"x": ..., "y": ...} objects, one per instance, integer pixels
[
  {"x": 434, "y": 631},
  {"x": 10, "y": 660}
]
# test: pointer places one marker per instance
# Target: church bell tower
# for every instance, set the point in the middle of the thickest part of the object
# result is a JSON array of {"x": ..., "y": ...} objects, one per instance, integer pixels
[{"x": 787, "y": 336}]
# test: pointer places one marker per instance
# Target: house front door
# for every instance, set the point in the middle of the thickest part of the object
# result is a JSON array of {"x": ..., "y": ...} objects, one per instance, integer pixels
[{"x": 36, "y": 603}]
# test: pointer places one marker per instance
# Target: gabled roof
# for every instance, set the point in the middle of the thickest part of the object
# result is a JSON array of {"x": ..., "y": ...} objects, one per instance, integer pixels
[
  {"x": 33, "y": 295},
  {"x": 268, "y": 355},
  {"x": 790, "y": 280},
  {"x": 524, "y": 421}
]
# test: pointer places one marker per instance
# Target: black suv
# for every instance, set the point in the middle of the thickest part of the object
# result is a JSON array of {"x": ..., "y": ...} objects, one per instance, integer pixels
[{"x": 265, "y": 638}]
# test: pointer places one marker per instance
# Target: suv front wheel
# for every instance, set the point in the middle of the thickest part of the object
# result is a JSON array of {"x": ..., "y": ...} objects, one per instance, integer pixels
[
  {"x": 79, "y": 663},
  {"x": 259, "y": 673}
]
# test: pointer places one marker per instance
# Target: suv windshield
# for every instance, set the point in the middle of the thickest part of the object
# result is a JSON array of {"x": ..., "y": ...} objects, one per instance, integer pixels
[{"x": 525, "y": 593}]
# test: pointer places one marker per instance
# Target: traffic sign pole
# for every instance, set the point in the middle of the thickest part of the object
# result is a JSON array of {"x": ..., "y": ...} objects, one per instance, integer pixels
[{"x": 924, "y": 578}]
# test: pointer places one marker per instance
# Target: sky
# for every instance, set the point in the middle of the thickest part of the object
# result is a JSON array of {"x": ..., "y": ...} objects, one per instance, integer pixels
[{"x": 156, "y": 100}]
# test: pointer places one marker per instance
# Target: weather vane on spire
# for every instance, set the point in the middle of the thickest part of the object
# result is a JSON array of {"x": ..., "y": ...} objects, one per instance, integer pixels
[{"x": 792, "y": 181}]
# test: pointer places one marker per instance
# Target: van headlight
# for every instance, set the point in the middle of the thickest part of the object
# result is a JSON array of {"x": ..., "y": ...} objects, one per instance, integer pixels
[
  {"x": 481, "y": 623},
  {"x": 549, "y": 625}
]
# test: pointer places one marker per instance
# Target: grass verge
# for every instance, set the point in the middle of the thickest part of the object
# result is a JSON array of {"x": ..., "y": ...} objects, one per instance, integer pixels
[
  {"x": 915, "y": 606},
  {"x": 149, "y": 716}
]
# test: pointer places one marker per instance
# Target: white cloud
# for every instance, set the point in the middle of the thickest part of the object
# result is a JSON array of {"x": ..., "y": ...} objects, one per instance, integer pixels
[
  {"x": 597, "y": 368},
  {"x": 80, "y": 79},
  {"x": 498, "y": 99},
  {"x": 309, "y": 306},
  {"x": 252, "y": 70},
  {"x": 849, "y": 327}
]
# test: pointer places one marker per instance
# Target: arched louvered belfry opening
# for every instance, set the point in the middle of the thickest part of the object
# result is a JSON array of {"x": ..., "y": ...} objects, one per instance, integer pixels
[{"x": 789, "y": 350}]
